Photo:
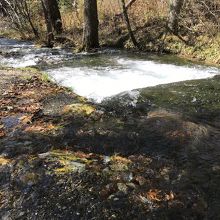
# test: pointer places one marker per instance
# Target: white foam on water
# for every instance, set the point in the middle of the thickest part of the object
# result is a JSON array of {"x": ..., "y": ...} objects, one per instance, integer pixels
[
  {"x": 30, "y": 57},
  {"x": 28, "y": 60},
  {"x": 100, "y": 82},
  {"x": 15, "y": 53},
  {"x": 10, "y": 43}
]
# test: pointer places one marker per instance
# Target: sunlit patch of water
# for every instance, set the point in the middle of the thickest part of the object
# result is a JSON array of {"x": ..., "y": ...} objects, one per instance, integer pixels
[
  {"x": 102, "y": 74},
  {"x": 99, "y": 82}
]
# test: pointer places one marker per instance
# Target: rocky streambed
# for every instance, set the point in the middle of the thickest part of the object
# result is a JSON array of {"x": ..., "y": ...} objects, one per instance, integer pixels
[{"x": 153, "y": 153}]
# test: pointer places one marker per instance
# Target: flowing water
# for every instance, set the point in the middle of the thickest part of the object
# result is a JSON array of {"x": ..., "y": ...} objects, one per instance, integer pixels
[{"x": 103, "y": 74}]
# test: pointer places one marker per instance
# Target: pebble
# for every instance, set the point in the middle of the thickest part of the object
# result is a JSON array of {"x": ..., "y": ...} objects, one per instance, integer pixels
[{"x": 122, "y": 187}]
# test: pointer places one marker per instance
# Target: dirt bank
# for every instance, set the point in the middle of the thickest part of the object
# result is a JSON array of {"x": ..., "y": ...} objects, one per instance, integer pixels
[{"x": 65, "y": 158}]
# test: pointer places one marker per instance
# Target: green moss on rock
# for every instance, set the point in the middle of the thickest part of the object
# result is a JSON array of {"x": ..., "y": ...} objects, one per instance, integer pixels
[{"x": 188, "y": 97}]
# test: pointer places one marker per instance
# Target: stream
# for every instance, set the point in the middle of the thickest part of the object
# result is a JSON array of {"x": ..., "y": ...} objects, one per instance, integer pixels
[
  {"x": 102, "y": 74},
  {"x": 142, "y": 153}
]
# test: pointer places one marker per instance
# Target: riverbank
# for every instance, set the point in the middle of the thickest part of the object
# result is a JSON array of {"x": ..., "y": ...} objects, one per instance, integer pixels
[
  {"x": 63, "y": 157},
  {"x": 203, "y": 49},
  {"x": 206, "y": 50}
]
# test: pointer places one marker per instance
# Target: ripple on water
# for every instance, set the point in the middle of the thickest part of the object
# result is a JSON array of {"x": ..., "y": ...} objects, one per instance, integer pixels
[
  {"x": 103, "y": 74},
  {"x": 98, "y": 82}
]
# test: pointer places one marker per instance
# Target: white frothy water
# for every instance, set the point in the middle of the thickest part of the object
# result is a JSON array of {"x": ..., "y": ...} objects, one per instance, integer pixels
[
  {"x": 15, "y": 53},
  {"x": 28, "y": 60},
  {"x": 97, "y": 77},
  {"x": 12, "y": 47},
  {"x": 101, "y": 82},
  {"x": 9, "y": 43}
]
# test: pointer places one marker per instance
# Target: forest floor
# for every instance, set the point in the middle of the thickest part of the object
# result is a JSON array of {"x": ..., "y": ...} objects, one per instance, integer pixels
[{"x": 62, "y": 157}]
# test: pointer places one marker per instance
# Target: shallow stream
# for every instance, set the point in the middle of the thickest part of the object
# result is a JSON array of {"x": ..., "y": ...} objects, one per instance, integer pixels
[{"x": 102, "y": 74}]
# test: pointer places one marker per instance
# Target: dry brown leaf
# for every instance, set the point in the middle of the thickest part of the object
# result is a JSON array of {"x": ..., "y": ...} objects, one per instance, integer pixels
[
  {"x": 119, "y": 159},
  {"x": 28, "y": 93},
  {"x": 25, "y": 119},
  {"x": 41, "y": 128},
  {"x": 2, "y": 133},
  {"x": 169, "y": 197},
  {"x": 154, "y": 195},
  {"x": 80, "y": 154},
  {"x": 30, "y": 109},
  {"x": 176, "y": 134},
  {"x": 4, "y": 161}
]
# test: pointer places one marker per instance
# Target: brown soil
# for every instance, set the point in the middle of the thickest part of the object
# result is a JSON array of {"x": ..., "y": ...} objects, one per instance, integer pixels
[{"x": 62, "y": 157}]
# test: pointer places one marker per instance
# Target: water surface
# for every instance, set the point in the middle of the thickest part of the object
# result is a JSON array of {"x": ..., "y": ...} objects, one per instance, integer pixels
[{"x": 103, "y": 74}]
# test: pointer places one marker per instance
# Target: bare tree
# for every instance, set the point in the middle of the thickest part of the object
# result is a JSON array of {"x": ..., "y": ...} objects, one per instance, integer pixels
[
  {"x": 90, "y": 30},
  {"x": 119, "y": 15},
  {"x": 175, "y": 9},
  {"x": 131, "y": 34},
  {"x": 3, "y": 8},
  {"x": 55, "y": 16},
  {"x": 50, "y": 35},
  {"x": 19, "y": 12}
]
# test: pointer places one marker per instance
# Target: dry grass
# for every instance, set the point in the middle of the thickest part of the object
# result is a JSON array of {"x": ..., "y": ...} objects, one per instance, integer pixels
[
  {"x": 139, "y": 13},
  {"x": 198, "y": 17},
  {"x": 199, "y": 20}
]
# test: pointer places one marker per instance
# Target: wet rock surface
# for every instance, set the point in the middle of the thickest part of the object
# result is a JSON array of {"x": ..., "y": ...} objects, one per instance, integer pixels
[{"x": 62, "y": 157}]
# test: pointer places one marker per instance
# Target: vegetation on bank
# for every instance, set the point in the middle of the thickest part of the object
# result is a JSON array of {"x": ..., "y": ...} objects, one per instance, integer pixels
[{"x": 196, "y": 36}]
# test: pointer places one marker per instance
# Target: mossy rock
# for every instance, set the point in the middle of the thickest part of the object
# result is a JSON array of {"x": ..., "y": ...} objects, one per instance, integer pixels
[
  {"x": 29, "y": 178},
  {"x": 79, "y": 109},
  {"x": 68, "y": 162},
  {"x": 191, "y": 98}
]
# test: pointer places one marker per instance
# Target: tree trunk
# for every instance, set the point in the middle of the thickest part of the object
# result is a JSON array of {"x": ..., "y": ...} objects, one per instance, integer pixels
[
  {"x": 50, "y": 36},
  {"x": 3, "y": 10},
  {"x": 55, "y": 16},
  {"x": 133, "y": 39},
  {"x": 28, "y": 17},
  {"x": 90, "y": 32},
  {"x": 130, "y": 3},
  {"x": 175, "y": 9},
  {"x": 127, "y": 6}
]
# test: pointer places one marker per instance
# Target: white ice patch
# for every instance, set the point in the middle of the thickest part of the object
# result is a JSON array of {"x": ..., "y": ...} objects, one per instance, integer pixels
[{"x": 98, "y": 83}]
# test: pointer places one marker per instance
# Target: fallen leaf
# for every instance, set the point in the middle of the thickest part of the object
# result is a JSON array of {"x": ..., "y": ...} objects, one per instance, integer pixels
[
  {"x": 2, "y": 133},
  {"x": 3, "y": 161},
  {"x": 41, "y": 128},
  {"x": 169, "y": 197},
  {"x": 154, "y": 195},
  {"x": 25, "y": 119}
]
